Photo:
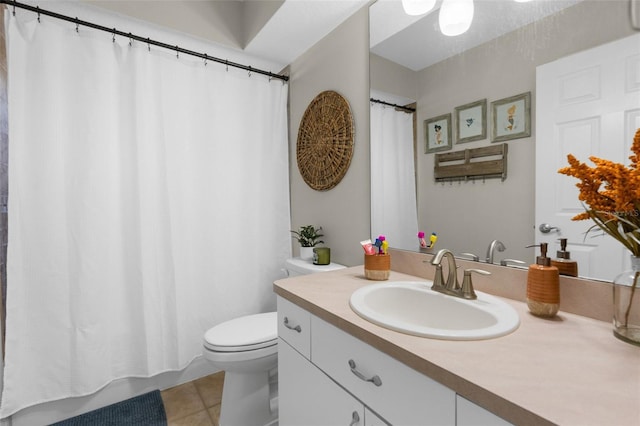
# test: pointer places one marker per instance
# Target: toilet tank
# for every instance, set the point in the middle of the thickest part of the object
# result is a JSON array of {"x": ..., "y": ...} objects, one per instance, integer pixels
[{"x": 296, "y": 266}]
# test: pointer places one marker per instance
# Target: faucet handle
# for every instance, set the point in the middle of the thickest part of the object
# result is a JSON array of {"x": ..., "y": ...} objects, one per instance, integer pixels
[
  {"x": 467, "y": 291},
  {"x": 505, "y": 262},
  {"x": 438, "y": 278},
  {"x": 473, "y": 257}
]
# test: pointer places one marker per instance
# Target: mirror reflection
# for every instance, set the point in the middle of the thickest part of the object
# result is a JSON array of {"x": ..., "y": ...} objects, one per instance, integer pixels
[{"x": 496, "y": 59}]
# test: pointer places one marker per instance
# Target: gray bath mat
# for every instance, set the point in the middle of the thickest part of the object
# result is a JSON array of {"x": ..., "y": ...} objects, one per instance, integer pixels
[{"x": 143, "y": 410}]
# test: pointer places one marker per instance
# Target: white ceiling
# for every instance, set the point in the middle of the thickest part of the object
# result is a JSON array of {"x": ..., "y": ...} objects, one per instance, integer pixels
[
  {"x": 285, "y": 29},
  {"x": 416, "y": 42},
  {"x": 277, "y": 30}
]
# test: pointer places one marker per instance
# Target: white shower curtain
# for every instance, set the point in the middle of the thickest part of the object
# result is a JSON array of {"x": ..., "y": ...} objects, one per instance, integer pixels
[
  {"x": 148, "y": 201},
  {"x": 393, "y": 188}
]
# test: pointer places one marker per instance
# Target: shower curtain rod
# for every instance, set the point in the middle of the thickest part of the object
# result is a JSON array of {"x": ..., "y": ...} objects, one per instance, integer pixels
[
  {"x": 407, "y": 109},
  {"x": 147, "y": 40}
]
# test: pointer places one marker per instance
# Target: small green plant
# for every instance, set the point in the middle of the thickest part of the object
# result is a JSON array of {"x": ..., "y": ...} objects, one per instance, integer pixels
[{"x": 308, "y": 236}]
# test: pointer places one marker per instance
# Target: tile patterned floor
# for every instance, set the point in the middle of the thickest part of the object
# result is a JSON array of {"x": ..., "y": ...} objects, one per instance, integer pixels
[{"x": 194, "y": 403}]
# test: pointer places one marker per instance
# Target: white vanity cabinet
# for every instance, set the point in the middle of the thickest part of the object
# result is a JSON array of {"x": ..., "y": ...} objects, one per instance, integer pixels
[
  {"x": 399, "y": 394},
  {"x": 336, "y": 381},
  {"x": 306, "y": 396},
  {"x": 470, "y": 414}
]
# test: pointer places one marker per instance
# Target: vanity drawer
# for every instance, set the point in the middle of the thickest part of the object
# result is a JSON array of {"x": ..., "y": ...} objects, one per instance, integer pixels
[
  {"x": 399, "y": 394},
  {"x": 294, "y": 326}
]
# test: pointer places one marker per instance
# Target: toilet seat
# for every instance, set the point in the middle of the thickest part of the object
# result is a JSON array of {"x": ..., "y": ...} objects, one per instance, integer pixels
[{"x": 243, "y": 334}]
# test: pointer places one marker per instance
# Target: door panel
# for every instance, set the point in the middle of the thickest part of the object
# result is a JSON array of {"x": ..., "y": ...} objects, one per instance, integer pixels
[{"x": 587, "y": 104}]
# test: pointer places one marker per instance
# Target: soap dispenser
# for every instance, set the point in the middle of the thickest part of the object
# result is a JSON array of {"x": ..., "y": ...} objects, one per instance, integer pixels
[
  {"x": 543, "y": 286},
  {"x": 563, "y": 261}
]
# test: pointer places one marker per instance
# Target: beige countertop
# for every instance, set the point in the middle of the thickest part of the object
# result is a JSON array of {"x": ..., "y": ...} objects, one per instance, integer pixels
[{"x": 569, "y": 370}]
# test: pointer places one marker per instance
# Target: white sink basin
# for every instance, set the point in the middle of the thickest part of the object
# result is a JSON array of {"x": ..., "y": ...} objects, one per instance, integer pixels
[{"x": 411, "y": 307}]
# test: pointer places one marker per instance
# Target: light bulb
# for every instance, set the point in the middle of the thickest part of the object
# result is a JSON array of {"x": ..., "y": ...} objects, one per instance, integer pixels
[
  {"x": 417, "y": 7},
  {"x": 455, "y": 16}
]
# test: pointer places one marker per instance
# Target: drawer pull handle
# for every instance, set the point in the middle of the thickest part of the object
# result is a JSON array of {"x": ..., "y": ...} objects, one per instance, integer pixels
[
  {"x": 355, "y": 419},
  {"x": 375, "y": 379},
  {"x": 296, "y": 328}
]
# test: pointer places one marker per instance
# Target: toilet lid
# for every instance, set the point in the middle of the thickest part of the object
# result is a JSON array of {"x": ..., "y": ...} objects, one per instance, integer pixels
[{"x": 243, "y": 334}]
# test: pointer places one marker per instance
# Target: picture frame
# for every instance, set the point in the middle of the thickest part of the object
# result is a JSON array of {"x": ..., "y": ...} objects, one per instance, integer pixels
[
  {"x": 511, "y": 118},
  {"x": 437, "y": 133},
  {"x": 471, "y": 121}
]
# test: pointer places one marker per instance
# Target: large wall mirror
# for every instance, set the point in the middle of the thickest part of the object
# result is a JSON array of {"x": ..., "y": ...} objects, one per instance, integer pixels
[{"x": 411, "y": 61}]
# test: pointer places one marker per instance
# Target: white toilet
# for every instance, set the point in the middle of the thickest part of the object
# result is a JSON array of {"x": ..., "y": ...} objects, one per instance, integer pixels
[{"x": 246, "y": 348}]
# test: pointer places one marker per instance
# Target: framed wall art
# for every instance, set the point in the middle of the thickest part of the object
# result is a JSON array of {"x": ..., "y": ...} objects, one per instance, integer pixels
[
  {"x": 437, "y": 133},
  {"x": 471, "y": 121},
  {"x": 511, "y": 118}
]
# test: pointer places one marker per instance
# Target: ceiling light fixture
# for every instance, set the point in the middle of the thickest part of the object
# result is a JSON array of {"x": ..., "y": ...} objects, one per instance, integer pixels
[
  {"x": 417, "y": 7},
  {"x": 455, "y": 16}
]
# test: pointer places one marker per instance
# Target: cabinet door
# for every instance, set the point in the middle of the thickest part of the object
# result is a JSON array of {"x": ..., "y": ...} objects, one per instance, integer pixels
[
  {"x": 294, "y": 326},
  {"x": 371, "y": 419},
  {"x": 470, "y": 414},
  {"x": 399, "y": 394},
  {"x": 308, "y": 397}
]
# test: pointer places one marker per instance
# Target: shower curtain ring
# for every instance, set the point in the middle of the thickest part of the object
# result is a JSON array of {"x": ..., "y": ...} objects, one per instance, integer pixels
[
  {"x": 148, "y": 44},
  {"x": 226, "y": 61},
  {"x": 249, "y": 71},
  {"x": 113, "y": 39},
  {"x": 14, "y": 9},
  {"x": 77, "y": 25},
  {"x": 38, "y": 9},
  {"x": 177, "y": 52},
  {"x": 130, "y": 40},
  {"x": 205, "y": 59}
]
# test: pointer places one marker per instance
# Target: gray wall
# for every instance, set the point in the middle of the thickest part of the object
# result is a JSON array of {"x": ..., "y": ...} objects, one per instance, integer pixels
[
  {"x": 339, "y": 62},
  {"x": 467, "y": 216}
]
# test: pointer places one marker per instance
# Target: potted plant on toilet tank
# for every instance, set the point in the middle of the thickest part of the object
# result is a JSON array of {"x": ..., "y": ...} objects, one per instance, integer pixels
[{"x": 308, "y": 236}]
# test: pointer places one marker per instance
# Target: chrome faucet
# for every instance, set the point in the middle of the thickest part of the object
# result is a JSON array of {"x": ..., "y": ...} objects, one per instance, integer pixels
[
  {"x": 495, "y": 245},
  {"x": 452, "y": 287},
  {"x": 452, "y": 279}
]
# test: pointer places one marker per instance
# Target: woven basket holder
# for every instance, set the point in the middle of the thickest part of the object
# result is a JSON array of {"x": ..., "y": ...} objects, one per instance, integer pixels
[
  {"x": 325, "y": 141},
  {"x": 377, "y": 266}
]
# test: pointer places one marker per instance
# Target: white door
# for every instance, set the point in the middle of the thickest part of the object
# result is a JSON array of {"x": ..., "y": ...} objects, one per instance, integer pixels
[{"x": 587, "y": 104}]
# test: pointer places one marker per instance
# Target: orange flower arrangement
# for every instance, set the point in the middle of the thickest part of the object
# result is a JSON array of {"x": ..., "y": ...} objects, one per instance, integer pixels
[{"x": 611, "y": 192}]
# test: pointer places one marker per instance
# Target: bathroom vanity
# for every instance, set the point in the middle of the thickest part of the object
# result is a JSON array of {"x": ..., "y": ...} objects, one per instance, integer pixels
[{"x": 337, "y": 368}]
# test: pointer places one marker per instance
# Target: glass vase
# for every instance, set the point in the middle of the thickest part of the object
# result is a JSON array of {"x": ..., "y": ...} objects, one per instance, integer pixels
[{"x": 626, "y": 304}]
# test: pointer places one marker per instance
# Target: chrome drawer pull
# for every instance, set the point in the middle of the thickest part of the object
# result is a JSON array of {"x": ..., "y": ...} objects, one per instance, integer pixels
[
  {"x": 375, "y": 379},
  {"x": 296, "y": 328},
  {"x": 355, "y": 419}
]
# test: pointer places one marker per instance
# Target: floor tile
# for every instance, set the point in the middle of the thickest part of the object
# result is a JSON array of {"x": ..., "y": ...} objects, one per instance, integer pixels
[
  {"x": 181, "y": 401},
  {"x": 200, "y": 418},
  {"x": 210, "y": 388},
  {"x": 214, "y": 413}
]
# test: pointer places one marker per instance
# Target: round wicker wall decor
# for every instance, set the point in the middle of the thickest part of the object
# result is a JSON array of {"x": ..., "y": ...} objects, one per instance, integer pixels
[{"x": 325, "y": 141}]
